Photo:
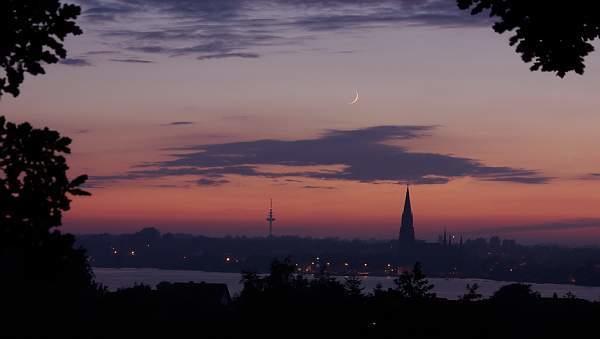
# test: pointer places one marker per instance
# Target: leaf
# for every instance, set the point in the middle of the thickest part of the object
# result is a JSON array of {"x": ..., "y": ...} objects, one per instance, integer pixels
[
  {"x": 80, "y": 192},
  {"x": 80, "y": 180}
]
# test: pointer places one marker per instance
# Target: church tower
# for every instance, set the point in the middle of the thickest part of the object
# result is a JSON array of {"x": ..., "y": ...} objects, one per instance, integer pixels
[{"x": 407, "y": 231}]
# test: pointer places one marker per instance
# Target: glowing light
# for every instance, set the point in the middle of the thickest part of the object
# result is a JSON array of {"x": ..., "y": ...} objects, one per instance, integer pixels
[
  {"x": 132, "y": 253},
  {"x": 228, "y": 259}
]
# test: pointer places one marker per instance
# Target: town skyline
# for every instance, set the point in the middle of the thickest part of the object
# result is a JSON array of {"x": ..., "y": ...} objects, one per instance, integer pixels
[{"x": 443, "y": 235}]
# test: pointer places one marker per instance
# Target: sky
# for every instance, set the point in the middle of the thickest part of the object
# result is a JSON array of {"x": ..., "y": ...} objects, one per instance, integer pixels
[{"x": 189, "y": 116}]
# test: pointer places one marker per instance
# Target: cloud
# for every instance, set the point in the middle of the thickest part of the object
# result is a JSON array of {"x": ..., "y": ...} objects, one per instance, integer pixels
[
  {"x": 101, "y": 52},
  {"x": 590, "y": 176},
  {"x": 103, "y": 10},
  {"x": 133, "y": 61},
  {"x": 211, "y": 182},
  {"x": 77, "y": 62},
  {"x": 229, "y": 55},
  {"x": 211, "y": 29},
  {"x": 514, "y": 175},
  {"x": 362, "y": 155},
  {"x": 169, "y": 186},
  {"x": 319, "y": 187},
  {"x": 179, "y": 123}
]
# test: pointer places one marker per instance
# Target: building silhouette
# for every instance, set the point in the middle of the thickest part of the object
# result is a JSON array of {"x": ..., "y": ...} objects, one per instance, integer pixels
[{"x": 407, "y": 230}]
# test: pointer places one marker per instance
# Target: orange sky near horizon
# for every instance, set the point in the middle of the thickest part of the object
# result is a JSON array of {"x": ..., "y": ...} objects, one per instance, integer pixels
[{"x": 464, "y": 206}]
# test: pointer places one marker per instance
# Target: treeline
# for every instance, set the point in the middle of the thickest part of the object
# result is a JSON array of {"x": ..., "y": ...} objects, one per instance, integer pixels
[{"x": 284, "y": 304}]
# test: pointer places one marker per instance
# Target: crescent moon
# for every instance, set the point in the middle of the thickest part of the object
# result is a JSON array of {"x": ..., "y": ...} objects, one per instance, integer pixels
[{"x": 355, "y": 99}]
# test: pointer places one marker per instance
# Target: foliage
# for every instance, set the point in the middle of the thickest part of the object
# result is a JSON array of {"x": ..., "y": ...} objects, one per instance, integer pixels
[
  {"x": 33, "y": 32},
  {"x": 34, "y": 186},
  {"x": 317, "y": 306},
  {"x": 555, "y": 35},
  {"x": 515, "y": 293},
  {"x": 570, "y": 296},
  {"x": 353, "y": 286},
  {"x": 414, "y": 285},
  {"x": 34, "y": 192},
  {"x": 281, "y": 274},
  {"x": 472, "y": 293}
]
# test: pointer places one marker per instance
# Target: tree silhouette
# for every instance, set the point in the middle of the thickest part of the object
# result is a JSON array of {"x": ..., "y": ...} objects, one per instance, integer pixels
[
  {"x": 281, "y": 277},
  {"x": 32, "y": 33},
  {"x": 353, "y": 286},
  {"x": 281, "y": 274},
  {"x": 555, "y": 35},
  {"x": 414, "y": 285},
  {"x": 472, "y": 293},
  {"x": 34, "y": 192},
  {"x": 515, "y": 293},
  {"x": 253, "y": 286}
]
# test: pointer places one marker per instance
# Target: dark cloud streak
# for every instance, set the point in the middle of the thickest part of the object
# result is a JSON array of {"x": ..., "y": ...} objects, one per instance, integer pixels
[
  {"x": 180, "y": 123},
  {"x": 211, "y": 29},
  {"x": 590, "y": 176},
  {"x": 133, "y": 61},
  {"x": 76, "y": 62},
  {"x": 319, "y": 187},
  {"x": 229, "y": 55},
  {"x": 362, "y": 155}
]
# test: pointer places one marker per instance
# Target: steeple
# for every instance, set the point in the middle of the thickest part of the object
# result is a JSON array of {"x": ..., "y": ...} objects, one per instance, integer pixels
[
  {"x": 407, "y": 207},
  {"x": 407, "y": 231}
]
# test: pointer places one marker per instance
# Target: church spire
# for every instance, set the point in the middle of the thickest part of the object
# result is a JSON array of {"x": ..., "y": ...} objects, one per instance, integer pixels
[
  {"x": 407, "y": 207},
  {"x": 407, "y": 231}
]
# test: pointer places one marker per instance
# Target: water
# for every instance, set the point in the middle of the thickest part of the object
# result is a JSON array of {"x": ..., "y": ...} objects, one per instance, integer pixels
[{"x": 114, "y": 278}]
